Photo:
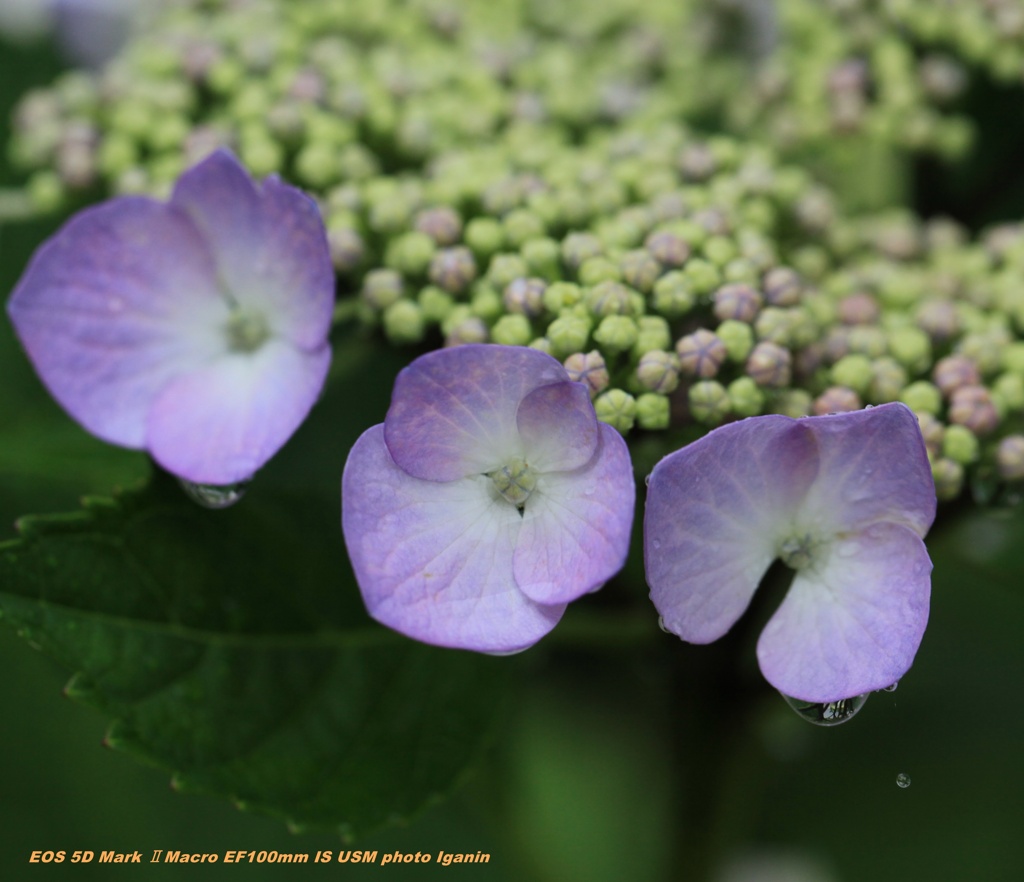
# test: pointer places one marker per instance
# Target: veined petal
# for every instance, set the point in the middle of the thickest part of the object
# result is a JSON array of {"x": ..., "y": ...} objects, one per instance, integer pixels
[
  {"x": 123, "y": 298},
  {"x": 453, "y": 411},
  {"x": 853, "y": 622},
  {"x": 576, "y": 525},
  {"x": 218, "y": 424},
  {"x": 873, "y": 468},
  {"x": 269, "y": 245},
  {"x": 715, "y": 512},
  {"x": 558, "y": 427},
  {"x": 434, "y": 560}
]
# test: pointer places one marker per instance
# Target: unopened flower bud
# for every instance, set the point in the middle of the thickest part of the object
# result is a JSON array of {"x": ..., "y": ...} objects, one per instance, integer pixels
[
  {"x": 512, "y": 330},
  {"x": 782, "y": 286},
  {"x": 639, "y": 269},
  {"x": 578, "y": 247},
  {"x": 954, "y": 371},
  {"x": 598, "y": 269},
  {"x": 745, "y": 397},
  {"x": 1008, "y": 393},
  {"x": 972, "y": 406},
  {"x": 709, "y": 402},
  {"x": 442, "y": 224},
  {"x": 468, "y": 330},
  {"x": 543, "y": 257},
  {"x": 382, "y": 288},
  {"x": 960, "y": 444},
  {"x": 347, "y": 248},
  {"x": 911, "y": 347},
  {"x": 949, "y": 478},
  {"x": 874, "y": 342},
  {"x": 855, "y": 372},
  {"x": 568, "y": 334},
  {"x": 435, "y": 303},
  {"x": 526, "y": 296},
  {"x": 703, "y": 275},
  {"x": 410, "y": 253},
  {"x": 776, "y": 324},
  {"x": 701, "y": 353},
  {"x": 1012, "y": 358},
  {"x": 932, "y": 431},
  {"x": 654, "y": 333},
  {"x": 668, "y": 248},
  {"x": 888, "y": 377},
  {"x": 737, "y": 301},
  {"x": 562, "y": 295},
  {"x": 485, "y": 236},
  {"x": 836, "y": 399},
  {"x": 769, "y": 365},
  {"x": 616, "y": 333},
  {"x": 588, "y": 368},
  {"x": 793, "y": 403},
  {"x": 859, "y": 308},
  {"x": 404, "y": 323},
  {"x": 658, "y": 371},
  {"x": 1010, "y": 458},
  {"x": 608, "y": 298},
  {"x": 652, "y": 411},
  {"x": 522, "y": 224},
  {"x": 617, "y": 408},
  {"x": 453, "y": 269},
  {"x": 738, "y": 338},
  {"x": 939, "y": 319},
  {"x": 674, "y": 295},
  {"x": 504, "y": 269}
]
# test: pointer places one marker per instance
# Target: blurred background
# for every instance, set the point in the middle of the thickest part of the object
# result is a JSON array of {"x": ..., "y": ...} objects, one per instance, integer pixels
[{"x": 580, "y": 781}]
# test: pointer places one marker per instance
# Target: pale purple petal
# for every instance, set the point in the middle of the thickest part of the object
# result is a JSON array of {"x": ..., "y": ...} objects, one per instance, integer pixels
[
  {"x": 218, "y": 424},
  {"x": 852, "y": 622},
  {"x": 434, "y": 560},
  {"x": 576, "y": 525},
  {"x": 453, "y": 411},
  {"x": 873, "y": 468},
  {"x": 558, "y": 427},
  {"x": 120, "y": 300},
  {"x": 716, "y": 511},
  {"x": 269, "y": 244}
]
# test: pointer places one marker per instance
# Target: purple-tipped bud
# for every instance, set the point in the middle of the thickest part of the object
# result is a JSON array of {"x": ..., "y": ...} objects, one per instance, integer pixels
[
  {"x": 932, "y": 431},
  {"x": 737, "y": 301},
  {"x": 955, "y": 371},
  {"x": 859, "y": 309},
  {"x": 939, "y": 319},
  {"x": 453, "y": 269},
  {"x": 658, "y": 371},
  {"x": 525, "y": 296},
  {"x": 1010, "y": 458},
  {"x": 442, "y": 224},
  {"x": 668, "y": 248},
  {"x": 972, "y": 406},
  {"x": 578, "y": 247},
  {"x": 770, "y": 365},
  {"x": 608, "y": 298},
  {"x": 701, "y": 353},
  {"x": 783, "y": 286},
  {"x": 836, "y": 399},
  {"x": 469, "y": 330},
  {"x": 588, "y": 368},
  {"x": 640, "y": 269}
]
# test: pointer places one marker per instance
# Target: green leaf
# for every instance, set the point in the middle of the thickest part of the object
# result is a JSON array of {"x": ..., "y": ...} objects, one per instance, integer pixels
[{"x": 232, "y": 648}]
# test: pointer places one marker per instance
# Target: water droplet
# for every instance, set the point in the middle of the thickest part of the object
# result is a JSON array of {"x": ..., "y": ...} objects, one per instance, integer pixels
[
  {"x": 656, "y": 543},
  {"x": 212, "y": 495},
  {"x": 830, "y": 713},
  {"x": 663, "y": 626},
  {"x": 892, "y": 688},
  {"x": 903, "y": 780},
  {"x": 647, "y": 480}
]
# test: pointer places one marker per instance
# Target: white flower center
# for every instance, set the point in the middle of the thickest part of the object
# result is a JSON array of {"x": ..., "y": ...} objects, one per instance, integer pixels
[
  {"x": 797, "y": 552},
  {"x": 246, "y": 331},
  {"x": 515, "y": 481}
]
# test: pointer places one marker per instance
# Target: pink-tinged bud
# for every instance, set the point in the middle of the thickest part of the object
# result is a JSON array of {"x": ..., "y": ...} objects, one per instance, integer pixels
[
  {"x": 701, "y": 353},
  {"x": 859, "y": 309},
  {"x": 972, "y": 406},
  {"x": 658, "y": 371},
  {"x": 453, "y": 269},
  {"x": 525, "y": 296},
  {"x": 1010, "y": 457},
  {"x": 737, "y": 301},
  {"x": 588, "y": 368},
  {"x": 442, "y": 224},
  {"x": 932, "y": 431},
  {"x": 668, "y": 248},
  {"x": 836, "y": 399},
  {"x": 783, "y": 286},
  {"x": 770, "y": 365},
  {"x": 939, "y": 319},
  {"x": 954, "y": 372}
]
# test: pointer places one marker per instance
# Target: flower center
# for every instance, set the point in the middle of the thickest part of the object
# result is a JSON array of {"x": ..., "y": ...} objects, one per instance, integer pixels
[
  {"x": 246, "y": 331},
  {"x": 515, "y": 481},
  {"x": 797, "y": 551}
]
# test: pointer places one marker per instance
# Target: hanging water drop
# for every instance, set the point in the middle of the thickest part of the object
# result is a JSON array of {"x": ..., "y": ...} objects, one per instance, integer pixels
[
  {"x": 830, "y": 713},
  {"x": 903, "y": 780},
  {"x": 892, "y": 688},
  {"x": 663, "y": 626},
  {"x": 214, "y": 496}
]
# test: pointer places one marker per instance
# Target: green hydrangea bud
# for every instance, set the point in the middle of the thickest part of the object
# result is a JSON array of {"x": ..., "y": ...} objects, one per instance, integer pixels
[
  {"x": 652, "y": 411},
  {"x": 674, "y": 295},
  {"x": 737, "y": 337},
  {"x": 1008, "y": 393},
  {"x": 770, "y": 365},
  {"x": 1010, "y": 458},
  {"x": 654, "y": 333},
  {"x": 46, "y": 192},
  {"x": 404, "y": 323},
  {"x": 486, "y": 236},
  {"x": 442, "y": 225},
  {"x": 347, "y": 248},
  {"x": 382, "y": 288},
  {"x": 522, "y": 224},
  {"x": 745, "y": 397},
  {"x": 888, "y": 377},
  {"x": 986, "y": 348},
  {"x": 486, "y": 303},
  {"x": 526, "y": 296},
  {"x": 580, "y": 247},
  {"x": 594, "y": 270},
  {"x": 435, "y": 303},
  {"x": 932, "y": 431},
  {"x": 719, "y": 250},
  {"x": 608, "y": 298},
  {"x": 505, "y": 269},
  {"x": 855, "y": 372},
  {"x": 949, "y": 478},
  {"x": 617, "y": 408},
  {"x": 453, "y": 269},
  {"x": 543, "y": 257},
  {"x": 922, "y": 397},
  {"x": 668, "y": 248},
  {"x": 960, "y": 444},
  {"x": 709, "y": 402},
  {"x": 568, "y": 334},
  {"x": 793, "y": 403},
  {"x": 658, "y": 371},
  {"x": 702, "y": 275},
  {"x": 639, "y": 269},
  {"x": 872, "y": 342},
  {"x": 562, "y": 295},
  {"x": 912, "y": 348},
  {"x": 1012, "y": 358},
  {"x": 541, "y": 344},
  {"x": 776, "y": 325},
  {"x": 616, "y": 333},
  {"x": 836, "y": 399},
  {"x": 410, "y": 253},
  {"x": 512, "y": 330}
]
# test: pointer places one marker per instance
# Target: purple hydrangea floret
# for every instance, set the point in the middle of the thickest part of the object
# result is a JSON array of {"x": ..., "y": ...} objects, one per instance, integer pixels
[
  {"x": 195, "y": 329},
  {"x": 844, "y": 500},
  {"x": 488, "y": 499}
]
